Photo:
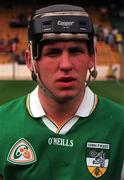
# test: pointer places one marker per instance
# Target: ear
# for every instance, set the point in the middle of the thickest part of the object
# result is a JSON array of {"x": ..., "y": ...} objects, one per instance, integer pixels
[
  {"x": 91, "y": 61},
  {"x": 28, "y": 59}
]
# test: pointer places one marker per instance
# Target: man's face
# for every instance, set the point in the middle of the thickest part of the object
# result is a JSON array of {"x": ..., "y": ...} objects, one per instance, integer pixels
[{"x": 63, "y": 67}]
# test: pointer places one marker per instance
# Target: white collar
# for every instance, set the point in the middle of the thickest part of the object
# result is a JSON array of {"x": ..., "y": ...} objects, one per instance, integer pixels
[{"x": 86, "y": 107}]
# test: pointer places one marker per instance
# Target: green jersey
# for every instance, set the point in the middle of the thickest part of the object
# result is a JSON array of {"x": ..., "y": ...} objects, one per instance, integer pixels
[{"x": 89, "y": 146}]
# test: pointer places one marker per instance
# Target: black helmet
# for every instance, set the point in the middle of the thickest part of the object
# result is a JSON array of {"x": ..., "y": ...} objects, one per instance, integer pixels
[{"x": 60, "y": 21}]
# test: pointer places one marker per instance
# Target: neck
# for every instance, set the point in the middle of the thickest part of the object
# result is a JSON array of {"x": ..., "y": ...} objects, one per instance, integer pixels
[{"x": 59, "y": 112}]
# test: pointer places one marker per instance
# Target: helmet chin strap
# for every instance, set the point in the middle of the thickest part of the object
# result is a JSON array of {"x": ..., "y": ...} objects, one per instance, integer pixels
[
  {"x": 35, "y": 77},
  {"x": 92, "y": 73}
]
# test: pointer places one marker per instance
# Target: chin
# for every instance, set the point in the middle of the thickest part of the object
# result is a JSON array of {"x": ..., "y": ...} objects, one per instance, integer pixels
[{"x": 66, "y": 98}]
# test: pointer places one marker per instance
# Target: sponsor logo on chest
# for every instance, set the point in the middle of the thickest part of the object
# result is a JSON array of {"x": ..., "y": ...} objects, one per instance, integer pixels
[{"x": 97, "y": 158}]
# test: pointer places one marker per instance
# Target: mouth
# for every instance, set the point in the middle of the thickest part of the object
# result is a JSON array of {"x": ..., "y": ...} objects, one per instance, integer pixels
[{"x": 66, "y": 81}]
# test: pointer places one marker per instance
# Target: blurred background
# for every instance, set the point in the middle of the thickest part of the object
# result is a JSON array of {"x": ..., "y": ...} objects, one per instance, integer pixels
[{"x": 108, "y": 21}]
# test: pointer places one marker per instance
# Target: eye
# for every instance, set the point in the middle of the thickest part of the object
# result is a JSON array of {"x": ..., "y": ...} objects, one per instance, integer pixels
[{"x": 52, "y": 52}]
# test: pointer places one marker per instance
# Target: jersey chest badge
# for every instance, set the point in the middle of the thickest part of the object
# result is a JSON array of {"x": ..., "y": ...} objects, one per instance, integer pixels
[
  {"x": 97, "y": 158},
  {"x": 21, "y": 153}
]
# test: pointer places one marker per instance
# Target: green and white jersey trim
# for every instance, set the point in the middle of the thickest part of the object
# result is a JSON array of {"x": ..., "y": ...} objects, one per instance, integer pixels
[
  {"x": 65, "y": 128},
  {"x": 86, "y": 107}
]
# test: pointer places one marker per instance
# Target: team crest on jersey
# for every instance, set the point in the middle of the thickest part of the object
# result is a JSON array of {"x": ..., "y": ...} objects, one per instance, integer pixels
[
  {"x": 97, "y": 158},
  {"x": 22, "y": 153}
]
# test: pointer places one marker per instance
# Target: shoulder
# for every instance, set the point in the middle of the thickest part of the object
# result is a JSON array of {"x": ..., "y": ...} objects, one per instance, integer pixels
[
  {"x": 12, "y": 117},
  {"x": 111, "y": 104},
  {"x": 12, "y": 107},
  {"x": 112, "y": 109}
]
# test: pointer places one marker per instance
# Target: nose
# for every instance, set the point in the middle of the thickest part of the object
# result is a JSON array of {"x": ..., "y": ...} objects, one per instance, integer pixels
[{"x": 65, "y": 62}]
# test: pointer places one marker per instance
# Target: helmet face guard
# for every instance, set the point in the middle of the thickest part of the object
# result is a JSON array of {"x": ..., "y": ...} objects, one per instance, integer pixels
[{"x": 59, "y": 22}]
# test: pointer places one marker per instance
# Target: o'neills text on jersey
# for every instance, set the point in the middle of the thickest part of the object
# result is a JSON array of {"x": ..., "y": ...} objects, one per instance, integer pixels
[{"x": 60, "y": 142}]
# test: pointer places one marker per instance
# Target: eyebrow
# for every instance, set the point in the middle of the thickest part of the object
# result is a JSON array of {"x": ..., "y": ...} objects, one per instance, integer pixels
[
  {"x": 52, "y": 49},
  {"x": 77, "y": 48}
]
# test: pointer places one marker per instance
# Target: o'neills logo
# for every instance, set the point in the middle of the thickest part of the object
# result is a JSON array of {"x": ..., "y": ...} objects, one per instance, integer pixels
[
  {"x": 65, "y": 23},
  {"x": 60, "y": 142}
]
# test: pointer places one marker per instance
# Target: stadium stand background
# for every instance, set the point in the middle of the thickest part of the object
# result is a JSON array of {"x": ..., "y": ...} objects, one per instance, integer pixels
[{"x": 109, "y": 13}]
